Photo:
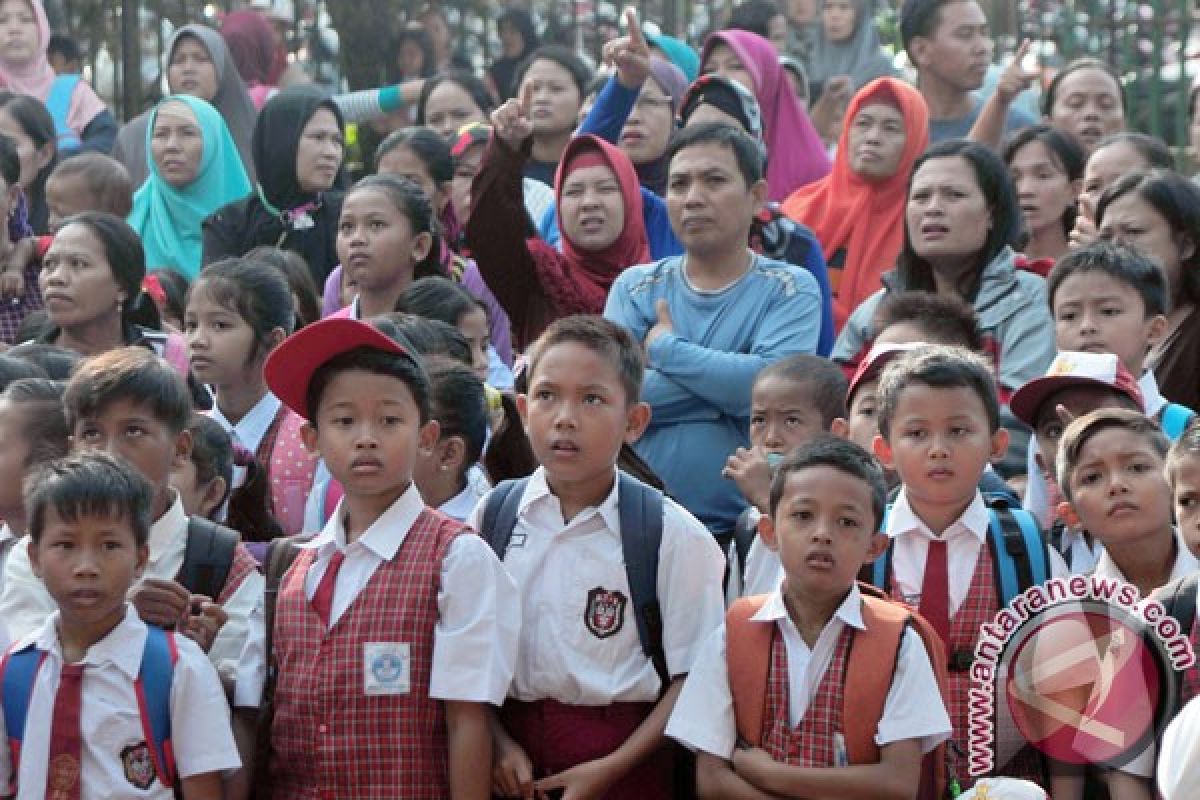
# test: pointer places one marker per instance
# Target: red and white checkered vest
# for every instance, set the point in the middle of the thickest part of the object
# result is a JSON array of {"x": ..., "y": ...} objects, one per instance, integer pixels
[
  {"x": 809, "y": 744},
  {"x": 330, "y": 740},
  {"x": 243, "y": 564}
]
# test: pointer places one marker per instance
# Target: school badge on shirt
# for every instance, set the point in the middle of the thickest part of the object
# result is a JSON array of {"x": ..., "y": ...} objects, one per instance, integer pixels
[
  {"x": 385, "y": 668},
  {"x": 139, "y": 765},
  {"x": 605, "y": 612}
]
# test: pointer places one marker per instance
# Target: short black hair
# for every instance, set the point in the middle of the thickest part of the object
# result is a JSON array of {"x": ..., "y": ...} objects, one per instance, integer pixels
[
  {"x": 426, "y": 337},
  {"x": 107, "y": 181},
  {"x": 10, "y": 162},
  {"x": 745, "y": 149},
  {"x": 212, "y": 452},
  {"x": 565, "y": 57},
  {"x": 603, "y": 337},
  {"x": 822, "y": 382},
  {"x": 1050, "y": 96},
  {"x": 376, "y": 362},
  {"x": 439, "y": 298},
  {"x": 65, "y": 46},
  {"x": 129, "y": 373},
  {"x": 754, "y": 16},
  {"x": 937, "y": 367},
  {"x": 459, "y": 405},
  {"x": 91, "y": 484},
  {"x": 942, "y": 319},
  {"x": 841, "y": 454},
  {"x": 45, "y": 419},
  {"x": 920, "y": 18},
  {"x": 1121, "y": 263},
  {"x": 1082, "y": 429},
  {"x": 1186, "y": 446}
]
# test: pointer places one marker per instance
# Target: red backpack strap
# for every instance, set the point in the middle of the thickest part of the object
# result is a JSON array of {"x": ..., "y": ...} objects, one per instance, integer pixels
[{"x": 748, "y": 658}]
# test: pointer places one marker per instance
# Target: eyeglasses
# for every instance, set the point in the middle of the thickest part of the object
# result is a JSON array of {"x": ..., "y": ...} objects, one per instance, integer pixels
[{"x": 646, "y": 103}]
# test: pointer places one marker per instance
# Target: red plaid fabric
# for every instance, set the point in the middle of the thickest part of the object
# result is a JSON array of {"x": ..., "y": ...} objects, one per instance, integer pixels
[
  {"x": 329, "y": 738},
  {"x": 1191, "y": 677},
  {"x": 243, "y": 564},
  {"x": 809, "y": 744}
]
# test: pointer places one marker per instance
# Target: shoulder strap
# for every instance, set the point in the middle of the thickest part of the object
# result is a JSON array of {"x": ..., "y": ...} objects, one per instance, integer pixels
[
  {"x": 500, "y": 514},
  {"x": 641, "y": 518},
  {"x": 748, "y": 661},
  {"x": 207, "y": 556},
  {"x": 17, "y": 673},
  {"x": 1018, "y": 550},
  {"x": 880, "y": 569},
  {"x": 153, "y": 687},
  {"x": 1179, "y": 599},
  {"x": 743, "y": 539},
  {"x": 867, "y": 681},
  {"x": 1175, "y": 418}
]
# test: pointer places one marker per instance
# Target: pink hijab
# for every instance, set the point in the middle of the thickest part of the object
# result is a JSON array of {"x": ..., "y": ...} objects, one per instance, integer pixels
[
  {"x": 795, "y": 153},
  {"x": 37, "y": 76}
]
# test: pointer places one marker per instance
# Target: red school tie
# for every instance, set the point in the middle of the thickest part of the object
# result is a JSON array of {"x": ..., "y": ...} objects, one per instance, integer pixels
[
  {"x": 322, "y": 601},
  {"x": 62, "y": 771},
  {"x": 935, "y": 590}
]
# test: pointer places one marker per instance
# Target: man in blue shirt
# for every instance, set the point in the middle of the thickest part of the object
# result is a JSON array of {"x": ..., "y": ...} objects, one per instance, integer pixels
[{"x": 711, "y": 319}]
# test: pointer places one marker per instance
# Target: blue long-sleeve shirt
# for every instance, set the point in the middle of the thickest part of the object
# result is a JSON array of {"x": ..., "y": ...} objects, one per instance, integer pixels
[{"x": 698, "y": 378}]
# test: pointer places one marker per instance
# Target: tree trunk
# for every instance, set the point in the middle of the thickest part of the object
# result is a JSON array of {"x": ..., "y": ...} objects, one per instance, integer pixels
[{"x": 365, "y": 38}]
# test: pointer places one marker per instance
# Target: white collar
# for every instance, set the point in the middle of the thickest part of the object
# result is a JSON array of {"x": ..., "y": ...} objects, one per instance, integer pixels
[
  {"x": 7, "y": 533},
  {"x": 167, "y": 527},
  {"x": 1185, "y": 562},
  {"x": 538, "y": 491},
  {"x": 849, "y": 612},
  {"x": 1152, "y": 398},
  {"x": 122, "y": 646},
  {"x": 251, "y": 428},
  {"x": 383, "y": 537},
  {"x": 902, "y": 519}
]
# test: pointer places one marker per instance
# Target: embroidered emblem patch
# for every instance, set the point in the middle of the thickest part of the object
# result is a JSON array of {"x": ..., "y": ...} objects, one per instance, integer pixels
[
  {"x": 139, "y": 766},
  {"x": 605, "y": 612},
  {"x": 62, "y": 774}
]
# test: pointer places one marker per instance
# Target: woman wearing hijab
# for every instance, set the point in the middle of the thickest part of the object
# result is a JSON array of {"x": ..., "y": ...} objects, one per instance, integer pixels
[
  {"x": 81, "y": 120},
  {"x": 797, "y": 154},
  {"x": 848, "y": 44},
  {"x": 199, "y": 64},
  {"x": 194, "y": 169},
  {"x": 857, "y": 212},
  {"x": 298, "y": 149},
  {"x": 678, "y": 52},
  {"x": 519, "y": 38}
]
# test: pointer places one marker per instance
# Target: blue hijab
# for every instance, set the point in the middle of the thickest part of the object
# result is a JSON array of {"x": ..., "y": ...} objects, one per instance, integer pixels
[{"x": 169, "y": 219}]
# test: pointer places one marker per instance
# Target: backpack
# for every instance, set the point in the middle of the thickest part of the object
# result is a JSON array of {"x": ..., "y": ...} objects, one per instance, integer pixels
[
  {"x": 207, "y": 557},
  {"x": 1173, "y": 419},
  {"x": 1179, "y": 599},
  {"x": 58, "y": 103},
  {"x": 153, "y": 688},
  {"x": 864, "y": 692},
  {"x": 641, "y": 513}
]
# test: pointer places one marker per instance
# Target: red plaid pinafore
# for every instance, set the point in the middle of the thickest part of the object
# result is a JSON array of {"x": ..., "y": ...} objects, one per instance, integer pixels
[
  {"x": 330, "y": 739},
  {"x": 809, "y": 744}
]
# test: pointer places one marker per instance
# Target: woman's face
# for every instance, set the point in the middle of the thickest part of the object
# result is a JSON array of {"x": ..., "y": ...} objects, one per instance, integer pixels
[
  {"x": 411, "y": 58},
  {"x": 177, "y": 144},
  {"x": 375, "y": 241},
  {"x": 449, "y": 107},
  {"x": 33, "y": 159},
  {"x": 839, "y": 18},
  {"x": 1087, "y": 105},
  {"x": 592, "y": 208},
  {"x": 404, "y": 163},
  {"x": 1132, "y": 221},
  {"x": 192, "y": 70},
  {"x": 726, "y": 63},
  {"x": 648, "y": 129},
  {"x": 947, "y": 215},
  {"x": 466, "y": 167},
  {"x": 1103, "y": 169},
  {"x": 555, "y": 99},
  {"x": 876, "y": 141},
  {"x": 319, "y": 152},
  {"x": 19, "y": 38},
  {"x": 1043, "y": 188},
  {"x": 77, "y": 282}
]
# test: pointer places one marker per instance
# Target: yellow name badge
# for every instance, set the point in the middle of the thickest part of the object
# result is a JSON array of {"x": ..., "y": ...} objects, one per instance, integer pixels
[{"x": 386, "y": 668}]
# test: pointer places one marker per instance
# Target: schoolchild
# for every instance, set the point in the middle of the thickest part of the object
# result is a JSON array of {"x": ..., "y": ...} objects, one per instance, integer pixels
[
  {"x": 88, "y": 182},
  {"x": 449, "y": 476},
  {"x": 618, "y": 585},
  {"x": 109, "y": 706},
  {"x": 394, "y": 628},
  {"x": 814, "y": 636}
]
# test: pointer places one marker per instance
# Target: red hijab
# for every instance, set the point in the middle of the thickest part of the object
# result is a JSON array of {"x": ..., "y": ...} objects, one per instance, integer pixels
[
  {"x": 595, "y": 271},
  {"x": 865, "y": 218}
]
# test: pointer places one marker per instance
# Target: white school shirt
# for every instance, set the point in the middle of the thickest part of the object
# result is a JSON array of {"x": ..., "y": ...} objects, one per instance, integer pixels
[
  {"x": 8, "y": 541},
  {"x": 251, "y": 428},
  {"x": 579, "y": 639},
  {"x": 25, "y": 604},
  {"x": 462, "y": 504},
  {"x": 703, "y": 717},
  {"x": 110, "y": 723},
  {"x": 964, "y": 539},
  {"x": 764, "y": 571},
  {"x": 475, "y": 639}
]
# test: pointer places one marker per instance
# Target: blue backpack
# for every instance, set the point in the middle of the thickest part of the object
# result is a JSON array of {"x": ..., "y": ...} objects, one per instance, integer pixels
[
  {"x": 1174, "y": 419},
  {"x": 153, "y": 687},
  {"x": 58, "y": 103}
]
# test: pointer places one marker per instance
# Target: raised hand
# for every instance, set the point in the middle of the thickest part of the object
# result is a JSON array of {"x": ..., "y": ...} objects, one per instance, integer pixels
[
  {"x": 511, "y": 122},
  {"x": 1016, "y": 78},
  {"x": 629, "y": 54}
]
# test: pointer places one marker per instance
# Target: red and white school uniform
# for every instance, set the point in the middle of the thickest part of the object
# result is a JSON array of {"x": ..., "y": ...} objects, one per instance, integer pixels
[
  {"x": 804, "y": 697},
  {"x": 582, "y": 683},
  {"x": 421, "y": 612},
  {"x": 113, "y": 752}
]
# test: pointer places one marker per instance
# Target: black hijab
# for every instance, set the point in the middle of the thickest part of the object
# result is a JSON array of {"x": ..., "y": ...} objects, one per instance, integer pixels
[{"x": 277, "y": 139}]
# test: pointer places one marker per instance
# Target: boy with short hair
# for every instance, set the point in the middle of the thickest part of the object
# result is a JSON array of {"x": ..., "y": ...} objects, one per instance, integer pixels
[
  {"x": 87, "y": 730},
  {"x": 133, "y": 404},
  {"x": 826, "y": 504},
  {"x": 916, "y": 316},
  {"x": 939, "y": 426},
  {"x": 618, "y": 585},
  {"x": 88, "y": 182},
  {"x": 395, "y": 626}
]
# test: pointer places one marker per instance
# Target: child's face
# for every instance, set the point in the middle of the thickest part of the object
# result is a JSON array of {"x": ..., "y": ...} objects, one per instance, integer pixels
[
  {"x": 88, "y": 565},
  {"x": 474, "y": 326},
  {"x": 18, "y": 32},
  {"x": 824, "y": 530},
  {"x": 14, "y": 457},
  {"x": 781, "y": 415},
  {"x": 129, "y": 429},
  {"x": 368, "y": 430},
  {"x": 577, "y": 416},
  {"x": 67, "y": 195},
  {"x": 1118, "y": 489},
  {"x": 221, "y": 344},
  {"x": 199, "y": 498},
  {"x": 376, "y": 243},
  {"x": 1184, "y": 478},
  {"x": 863, "y": 424},
  {"x": 1077, "y": 400},
  {"x": 940, "y": 443},
  {"x": 1095, "y": 313}
]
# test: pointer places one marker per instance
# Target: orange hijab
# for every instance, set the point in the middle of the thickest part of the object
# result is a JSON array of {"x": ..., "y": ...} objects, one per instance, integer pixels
[{"x": 867, "y": 219}]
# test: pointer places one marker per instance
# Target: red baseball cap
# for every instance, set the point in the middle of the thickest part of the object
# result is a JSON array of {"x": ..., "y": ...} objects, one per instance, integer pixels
[
  {"x": 1069, "y": 369},
  {"x": 290, "y": 367},
  {"x": 874, "y": 362}
]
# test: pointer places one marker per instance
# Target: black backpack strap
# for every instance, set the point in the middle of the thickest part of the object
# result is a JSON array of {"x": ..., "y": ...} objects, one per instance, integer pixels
[
  {"x": 743, "y": 539},
  {"x": 207, "y": 557},
  {"x": 500, "y": 514},
  {"x": 641, "y": 512},
  {"x": 1179, "y": 599}
]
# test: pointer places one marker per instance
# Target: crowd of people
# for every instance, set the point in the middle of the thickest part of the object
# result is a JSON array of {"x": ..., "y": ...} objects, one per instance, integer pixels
[{"x": 669, "y": 430}]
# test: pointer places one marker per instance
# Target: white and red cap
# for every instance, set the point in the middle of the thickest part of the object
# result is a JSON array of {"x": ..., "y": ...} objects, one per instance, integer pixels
[{"x": 1068, "y": 369}]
